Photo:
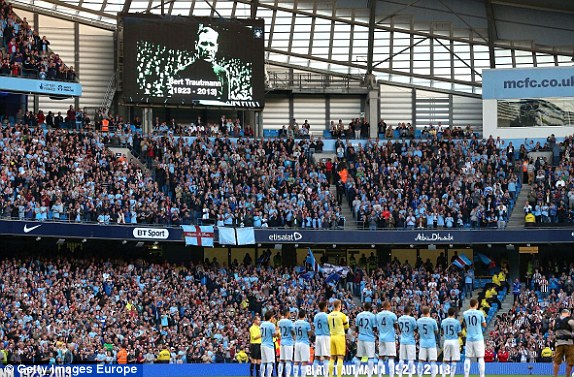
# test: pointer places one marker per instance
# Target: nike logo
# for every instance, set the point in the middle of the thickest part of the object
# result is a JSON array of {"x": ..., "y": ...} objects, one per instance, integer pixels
[{"x": 28, "y": 230}]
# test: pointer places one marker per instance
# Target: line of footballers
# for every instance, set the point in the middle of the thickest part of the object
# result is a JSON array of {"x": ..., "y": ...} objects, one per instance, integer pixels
[{"x": 330, "y": 342}]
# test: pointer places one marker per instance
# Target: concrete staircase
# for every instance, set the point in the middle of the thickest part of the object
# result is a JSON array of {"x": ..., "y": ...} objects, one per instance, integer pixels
[
  {"x": 345, "y": 209},
  {"x": 120, "y": 151},
  {"x": 516, "y": 220},
  {"x": 507, "y": 304}
]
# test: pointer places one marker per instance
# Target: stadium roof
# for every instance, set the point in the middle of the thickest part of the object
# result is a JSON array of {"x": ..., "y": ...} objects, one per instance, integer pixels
[{"x": 442, "y": 44}]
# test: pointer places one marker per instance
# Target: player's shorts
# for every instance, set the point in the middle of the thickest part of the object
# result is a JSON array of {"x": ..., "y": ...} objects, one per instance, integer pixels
[
  {"x": 255, "y": 351},
  {"x": 322, "y": 346},
  {"x": 427, "y": 354},
  {"x": 338, "y": 345},
  {"x": 302, "y": 353},
  {"x": 474, "y": 349},
  {"x": 451, "y": 351},
  {"x": 564, "y": 352},
  {"x": 365, "y": 348},
  {"x": 267, "y": 354},
  {"x": 408, "y": 352},
  {"x": 286, "y": 353},
  {"x": 387, "y": 349}
]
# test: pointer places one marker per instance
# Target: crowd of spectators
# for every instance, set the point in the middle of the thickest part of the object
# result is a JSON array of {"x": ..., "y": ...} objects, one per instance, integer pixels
[
  {"x": 62, "y": 175},
  {"x": 428, "y": 184},
  {"x": 261, "y": 183},
  {"x": 434, "y": 183},
  {"x": 551, "y": 197},
  {"x": 63, "y": 311},
  {"x": 24, "y": 53},
  {"x": 525, "y": 333}
]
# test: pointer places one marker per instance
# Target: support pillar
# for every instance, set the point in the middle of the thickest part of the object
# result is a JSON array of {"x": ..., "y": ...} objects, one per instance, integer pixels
[
  {"x": 253, "y": 118},
  {"x": 147, "y": 120},
  {"x": 372, "y": 110}
]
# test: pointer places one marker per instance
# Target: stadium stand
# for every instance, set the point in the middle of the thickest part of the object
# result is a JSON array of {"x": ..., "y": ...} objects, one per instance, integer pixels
[
  {"x": 427, "y": 184},
  {"x": 72, "y": 310}
]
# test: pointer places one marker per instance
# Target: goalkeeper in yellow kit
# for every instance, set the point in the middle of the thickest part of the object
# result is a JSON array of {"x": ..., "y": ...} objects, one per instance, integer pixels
[{"x": 338, "y": 325}]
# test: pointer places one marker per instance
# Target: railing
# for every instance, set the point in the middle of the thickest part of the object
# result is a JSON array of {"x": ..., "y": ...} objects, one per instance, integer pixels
[
  {"x": 287, "y": 80},
  {"x": 110, "y": 94}
]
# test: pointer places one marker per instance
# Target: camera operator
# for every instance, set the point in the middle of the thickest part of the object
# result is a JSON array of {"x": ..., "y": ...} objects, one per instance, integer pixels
[{"x": 564, "y": 342}]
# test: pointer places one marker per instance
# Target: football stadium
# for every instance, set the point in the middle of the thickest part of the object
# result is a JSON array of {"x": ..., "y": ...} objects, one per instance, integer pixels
[{"x": 286, "y": 188}]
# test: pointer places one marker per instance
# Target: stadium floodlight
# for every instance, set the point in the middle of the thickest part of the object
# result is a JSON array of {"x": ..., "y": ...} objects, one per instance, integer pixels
[
  {"x": 60, "y": 241},
  {"x": 38, "y": 238},
  {"x": 84, "y": 240},
  {"x": 124, "y": 242},
  {"x": 139, "y": 244}
]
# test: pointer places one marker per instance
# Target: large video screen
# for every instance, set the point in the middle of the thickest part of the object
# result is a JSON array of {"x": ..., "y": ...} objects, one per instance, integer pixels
[
  {"x": 193, "y": 61},
  {"x": 536, "y": 112}
]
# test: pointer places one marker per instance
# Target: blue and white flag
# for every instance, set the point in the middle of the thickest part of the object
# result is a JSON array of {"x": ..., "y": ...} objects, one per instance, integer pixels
[
  {"x": 236, "y": 236},
  {"x": 312, "y": 262},
  {"x": 245, "y": 236},
  {"x": 226, "y": 236},
  {"x": 462, "y": 261}
]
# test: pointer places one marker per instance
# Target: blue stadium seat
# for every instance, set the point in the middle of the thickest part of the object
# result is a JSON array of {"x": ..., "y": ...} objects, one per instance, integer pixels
[
  {"x": 326, "y": 134},
  {"x": 270, "y": 133}
]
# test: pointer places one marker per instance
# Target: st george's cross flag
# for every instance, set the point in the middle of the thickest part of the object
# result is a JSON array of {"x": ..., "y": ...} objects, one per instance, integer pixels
[{"x": 198, "y": 235}]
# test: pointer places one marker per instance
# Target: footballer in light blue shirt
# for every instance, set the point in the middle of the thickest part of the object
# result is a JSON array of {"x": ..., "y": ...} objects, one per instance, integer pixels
[
  {"x": 474, "y": 322},
  {"x": 268, "y": 331},
  {"x": 302, "y": 349},
  {"x": 322, "y": 340},
  {"x": 451, "y": 330},
  {"x": 387, "y": 329},
  {"x": 287, "y": 332},
  {"x": 428, "y": 331},
  {"x": 407, "y": 349},
  {"x": 366, "y": 325}
]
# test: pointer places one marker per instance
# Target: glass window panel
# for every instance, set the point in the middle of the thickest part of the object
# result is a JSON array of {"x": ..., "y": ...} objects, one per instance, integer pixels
[
  {"x": 421, "y": 71},
  {"x": 442, "y": 57},
  {"x": 322, "y": 24},
  {"x": 421, "y": 55},
  {"x": 524, "y": 60},
  {"x": 279, "y": 43},
  {"x": 502, "y": 53},
  {"x": 442, "y": 64},
  {"x": 442, "y": 71},
  {"x": 300, "y": 43},
  {"x": 320, "y": 51},
  {"x": 341, "y": 42},
  {"x": 321, "y": 42},
  {"x": 461, "y": 47},
  {"x": 401, "y": 64},
  {"x": 302, "y": 24}
]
